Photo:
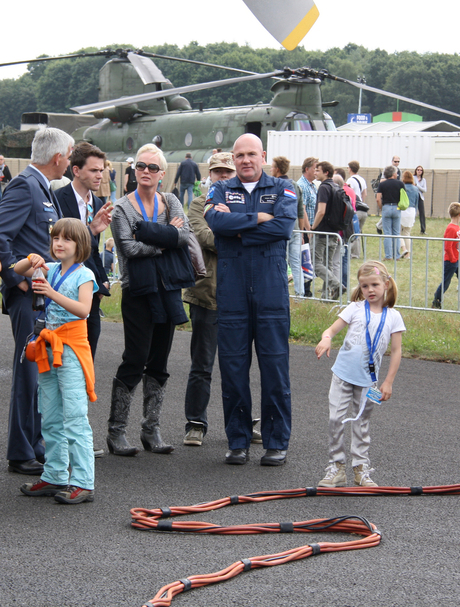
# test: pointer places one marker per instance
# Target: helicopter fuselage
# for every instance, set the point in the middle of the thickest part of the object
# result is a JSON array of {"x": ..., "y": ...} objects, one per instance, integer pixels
[{"x": 295, "y": 106}]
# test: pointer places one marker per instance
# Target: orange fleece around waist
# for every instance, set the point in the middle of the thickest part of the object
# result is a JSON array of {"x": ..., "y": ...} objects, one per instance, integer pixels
[{"x": 75, "y": 335}]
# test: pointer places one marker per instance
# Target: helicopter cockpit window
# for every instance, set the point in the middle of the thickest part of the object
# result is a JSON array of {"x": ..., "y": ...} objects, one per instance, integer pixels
[
  {"x": 301, "y": 122},
  {"x": 296, "y": 122},
  {"x": 319, "y": 125},
  {"x": 330, "y": 126}
]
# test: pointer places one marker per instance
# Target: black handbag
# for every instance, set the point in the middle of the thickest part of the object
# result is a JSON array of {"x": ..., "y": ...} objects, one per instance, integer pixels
[{"x": 362, "y": 206}]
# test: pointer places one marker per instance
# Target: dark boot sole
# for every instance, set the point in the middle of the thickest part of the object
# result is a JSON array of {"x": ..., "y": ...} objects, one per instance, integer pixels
[
  {"x": 148, "y": 447},
  {"x": 131, "y": 452}
]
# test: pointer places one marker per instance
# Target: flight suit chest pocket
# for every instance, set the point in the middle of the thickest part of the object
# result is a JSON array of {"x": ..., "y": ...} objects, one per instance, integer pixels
[{"x": 267, "y": 203}]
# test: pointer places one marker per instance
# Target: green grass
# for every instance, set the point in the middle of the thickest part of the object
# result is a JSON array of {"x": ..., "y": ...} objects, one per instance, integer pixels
[
  {"x": 430, "y": 335},
  {"x": 417, "y": 278}
]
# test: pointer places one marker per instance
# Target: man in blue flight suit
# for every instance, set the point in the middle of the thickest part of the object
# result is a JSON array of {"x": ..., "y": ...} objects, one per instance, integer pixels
[
  {"x": 252, "y": 216},
  {"x": 28, "y": 211}
]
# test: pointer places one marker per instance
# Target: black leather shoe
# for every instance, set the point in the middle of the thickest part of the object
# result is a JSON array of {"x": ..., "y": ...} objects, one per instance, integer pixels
[
  {"x": 273, "y": 457},
  {"x": 237, "y": 456},
  {"x": 28, "y": 466}
]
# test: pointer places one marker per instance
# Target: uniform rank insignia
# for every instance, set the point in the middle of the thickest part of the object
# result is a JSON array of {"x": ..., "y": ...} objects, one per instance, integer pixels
[
  {"x": 207, "y": 207},
  {"x": 234, "y": 198},
  {"x": 290, "y": 193},
  {"x": 268, "y": 198}
]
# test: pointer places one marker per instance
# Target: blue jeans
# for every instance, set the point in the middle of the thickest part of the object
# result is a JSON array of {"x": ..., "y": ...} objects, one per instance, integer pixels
[
  {"x": 295, "y": 262},
  {"x": 203, "y": 352},
  {"x": 325, "y": 247},
  {"x": 448, "y": 272},
  {"x": 391, "y": 225},
  {"x": 189, "y": 188}
]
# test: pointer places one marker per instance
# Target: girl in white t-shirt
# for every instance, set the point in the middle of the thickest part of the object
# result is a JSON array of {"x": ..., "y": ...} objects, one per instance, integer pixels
[{"x": 372, "y": 323}]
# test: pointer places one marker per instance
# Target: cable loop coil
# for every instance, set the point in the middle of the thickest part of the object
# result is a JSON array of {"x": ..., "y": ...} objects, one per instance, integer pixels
[{"x": 154, "y": 520}]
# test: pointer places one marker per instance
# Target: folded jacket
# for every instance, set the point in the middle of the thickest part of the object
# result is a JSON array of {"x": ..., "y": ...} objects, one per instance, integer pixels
[{"x": 75, "y": 335}]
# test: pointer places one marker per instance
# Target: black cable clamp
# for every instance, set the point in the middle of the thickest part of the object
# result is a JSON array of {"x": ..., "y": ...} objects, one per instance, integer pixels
[
  {"x": 287, "y": 527},
  {"x": 416, "y": 490},
  {"x": 187, "y": 584},
  {"x": 234, "y": 500},
  {"x": 311, "y": 491},
  {"x": 247, "y": 564},
  {"x": 164, "y": 525},
  {"x": 315, "y": 549},
  {"x": 165, "y": 512}
]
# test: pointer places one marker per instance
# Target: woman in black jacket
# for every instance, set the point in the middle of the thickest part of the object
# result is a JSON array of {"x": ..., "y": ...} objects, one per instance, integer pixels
[{"x": 151, "y": 235}]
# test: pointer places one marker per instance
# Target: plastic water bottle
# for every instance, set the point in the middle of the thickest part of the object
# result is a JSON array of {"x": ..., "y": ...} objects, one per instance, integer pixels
[{"x": 38, "y": 300}]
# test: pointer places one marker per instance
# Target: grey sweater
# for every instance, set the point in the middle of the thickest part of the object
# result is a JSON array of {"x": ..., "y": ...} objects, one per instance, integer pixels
[{"x": 125, "y": 218}]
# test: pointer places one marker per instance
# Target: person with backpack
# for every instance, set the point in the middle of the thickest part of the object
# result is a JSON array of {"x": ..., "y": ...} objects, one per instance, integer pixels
[
  {"x": 325, "y": 244},
  {"x": 340, "y": 261}
]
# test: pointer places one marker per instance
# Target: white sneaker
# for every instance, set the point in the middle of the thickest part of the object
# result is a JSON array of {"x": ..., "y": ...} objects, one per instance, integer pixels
[
  {"x": 362, "y": 476},
  {"x": 335, "y": 476},
  {"x": 194, "y": 436}
]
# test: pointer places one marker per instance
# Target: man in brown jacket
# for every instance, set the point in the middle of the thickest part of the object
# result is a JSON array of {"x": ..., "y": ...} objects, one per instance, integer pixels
[{"x": 203, "y": 312}]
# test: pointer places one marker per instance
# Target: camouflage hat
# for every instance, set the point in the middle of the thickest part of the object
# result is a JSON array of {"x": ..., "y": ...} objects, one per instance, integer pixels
[{"x": 222, "y": 160}]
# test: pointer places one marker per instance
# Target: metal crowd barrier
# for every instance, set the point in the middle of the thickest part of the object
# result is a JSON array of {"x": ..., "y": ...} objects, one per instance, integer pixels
[{"x": 417, "y": 278}]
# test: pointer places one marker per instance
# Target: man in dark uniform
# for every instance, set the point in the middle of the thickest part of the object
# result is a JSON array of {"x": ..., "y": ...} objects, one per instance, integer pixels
[
  {"x": 252, "y": 216},
  {"x": 28, "y": 211}
]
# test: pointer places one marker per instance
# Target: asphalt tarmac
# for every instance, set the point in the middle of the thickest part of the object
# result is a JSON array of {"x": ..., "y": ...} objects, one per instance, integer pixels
[{"x": 89, "y": 555}]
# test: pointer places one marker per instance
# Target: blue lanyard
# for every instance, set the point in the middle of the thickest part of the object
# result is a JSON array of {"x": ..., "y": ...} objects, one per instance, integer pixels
[
  {"x": 373, "y": 346},
  {"x": 141, "y": 206},
  {"x": 55, "y": 275}
]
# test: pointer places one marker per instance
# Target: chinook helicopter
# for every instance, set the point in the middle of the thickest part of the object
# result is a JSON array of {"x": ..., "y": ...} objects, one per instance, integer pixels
[{"x": 159, "y": 113}]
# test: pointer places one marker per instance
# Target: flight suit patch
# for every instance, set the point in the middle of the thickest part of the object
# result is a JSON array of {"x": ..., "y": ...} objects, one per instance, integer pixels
[
  {"x": 268, "y": 199},
  {"x": 234, "y": 198}
]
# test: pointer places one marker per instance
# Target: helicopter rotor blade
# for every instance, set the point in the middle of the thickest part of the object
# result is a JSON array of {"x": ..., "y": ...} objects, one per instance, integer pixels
[
  {"x": 129, "y": 53},
  {"x": 194, "y": 62},
  {"x": 103, "y": 53},
  {"x": 372, "y": 89},
  {"x": 147, "y": 71},
  {"x": 104, "y": 105},
  {"x": 288, "y": 21}
]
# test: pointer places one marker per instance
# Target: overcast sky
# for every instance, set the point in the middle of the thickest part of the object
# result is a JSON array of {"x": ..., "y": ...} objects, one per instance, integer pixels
[{"x": 48, "y": 27}]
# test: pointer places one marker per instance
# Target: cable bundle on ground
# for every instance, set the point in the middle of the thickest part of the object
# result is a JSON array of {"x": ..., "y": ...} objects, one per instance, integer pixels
[{"x": 154, "y": 520}]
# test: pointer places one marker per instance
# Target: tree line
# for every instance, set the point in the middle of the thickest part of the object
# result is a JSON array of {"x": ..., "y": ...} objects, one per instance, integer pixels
[{"x": 431, "y": 78}]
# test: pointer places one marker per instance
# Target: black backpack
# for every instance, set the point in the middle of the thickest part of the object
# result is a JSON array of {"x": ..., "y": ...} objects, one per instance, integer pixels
[{"x": 340, "y": 212}]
